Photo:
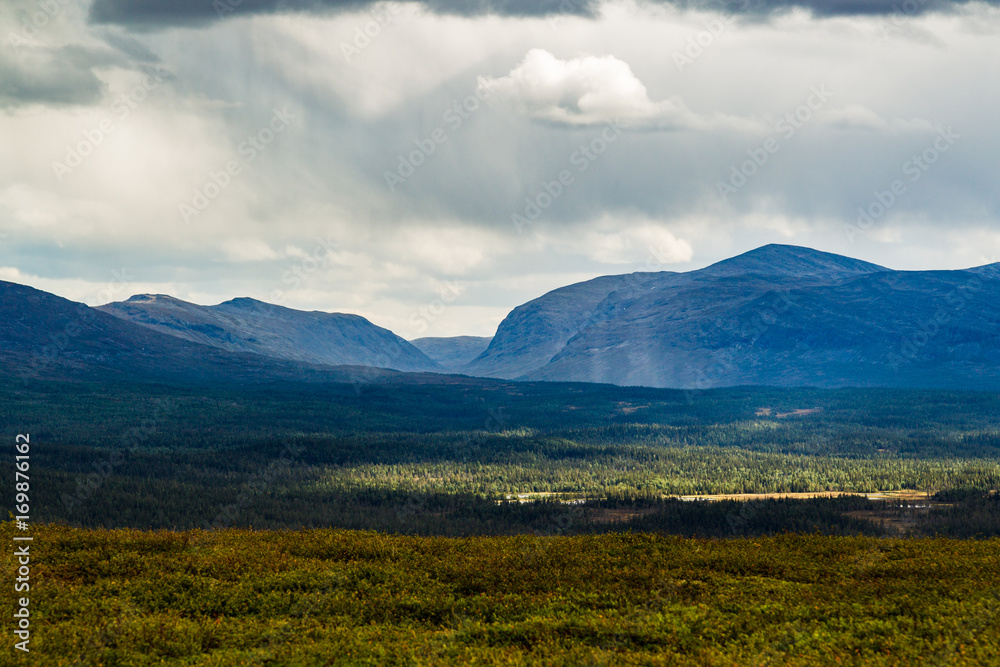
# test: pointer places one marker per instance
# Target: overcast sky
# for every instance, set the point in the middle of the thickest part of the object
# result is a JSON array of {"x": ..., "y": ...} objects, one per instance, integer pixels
[{"x": 432, "y": 165}]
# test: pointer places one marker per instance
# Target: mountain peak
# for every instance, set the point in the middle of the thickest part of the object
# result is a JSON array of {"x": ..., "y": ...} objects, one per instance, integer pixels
[
  {"x": 245, "y": 302},
  {"x": 776, "y": 259},
  {"x": 152, "y": 298}
]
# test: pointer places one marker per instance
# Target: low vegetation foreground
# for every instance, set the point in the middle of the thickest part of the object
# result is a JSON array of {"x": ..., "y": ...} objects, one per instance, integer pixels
[{"x": 322, "y": 597}]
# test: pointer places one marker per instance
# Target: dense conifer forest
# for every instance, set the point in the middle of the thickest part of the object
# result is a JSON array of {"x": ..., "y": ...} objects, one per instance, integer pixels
[{"x": 480, "y": 457}]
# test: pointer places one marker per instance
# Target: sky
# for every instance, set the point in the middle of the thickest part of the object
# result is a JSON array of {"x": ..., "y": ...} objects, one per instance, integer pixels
[{"x": 432, "y": 165}]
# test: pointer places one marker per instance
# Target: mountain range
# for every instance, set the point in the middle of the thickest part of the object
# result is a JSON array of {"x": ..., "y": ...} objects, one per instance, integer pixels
[
  {"x": 248, "y": 325},
  {"x": 778, "y": 315}
]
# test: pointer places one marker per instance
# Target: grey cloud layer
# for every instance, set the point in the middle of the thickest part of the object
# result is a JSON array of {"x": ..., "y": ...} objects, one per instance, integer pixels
[
  {"x": 49, "y": 76},
  {"x": 152, "y": 14}
]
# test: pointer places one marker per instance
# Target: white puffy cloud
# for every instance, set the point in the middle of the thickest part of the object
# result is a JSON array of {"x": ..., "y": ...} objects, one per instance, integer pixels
[{"x": 593, "y": 90}]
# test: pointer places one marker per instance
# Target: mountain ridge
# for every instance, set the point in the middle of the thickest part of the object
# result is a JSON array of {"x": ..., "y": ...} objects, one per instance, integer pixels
[
  {"x": 777, "y": 315},
  {"x": 244, "y": 324},
  {"x": 720, "y": 325}
]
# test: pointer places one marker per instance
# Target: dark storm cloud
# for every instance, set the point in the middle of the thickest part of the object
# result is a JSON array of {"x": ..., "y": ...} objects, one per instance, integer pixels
[
  {"x": 129, "y": 46},
  {"x": 152, "y": 14}
]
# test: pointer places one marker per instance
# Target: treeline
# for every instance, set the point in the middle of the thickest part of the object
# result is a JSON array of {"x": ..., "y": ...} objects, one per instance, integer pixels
[
  {"x": 662, "y": 471},
  {"x": 846, "y": 422}
]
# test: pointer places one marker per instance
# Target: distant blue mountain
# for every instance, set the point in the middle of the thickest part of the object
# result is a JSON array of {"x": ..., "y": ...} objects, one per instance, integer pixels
[
  {"x": 247, "y": 325},
  {"x": 43, "y": 336},
  {"x": 532, "y": 334},
  {"x": 778, "y": 315},
  {"x": 454, "y": 351}
]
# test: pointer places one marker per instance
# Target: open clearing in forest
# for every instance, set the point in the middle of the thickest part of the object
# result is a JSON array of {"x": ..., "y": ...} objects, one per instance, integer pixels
[
  {"x": 902, "y": 494},
  {"x": 798, "y": 412}
]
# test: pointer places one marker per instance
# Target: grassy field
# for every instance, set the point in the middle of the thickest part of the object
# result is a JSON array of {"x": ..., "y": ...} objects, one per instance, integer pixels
[{"x": 331, "y": 597}]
